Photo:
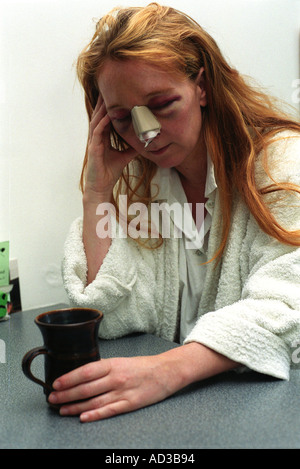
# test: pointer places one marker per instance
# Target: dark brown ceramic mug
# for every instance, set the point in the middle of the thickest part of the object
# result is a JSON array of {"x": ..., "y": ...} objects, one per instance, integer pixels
[{"x": 70, "y": 340}]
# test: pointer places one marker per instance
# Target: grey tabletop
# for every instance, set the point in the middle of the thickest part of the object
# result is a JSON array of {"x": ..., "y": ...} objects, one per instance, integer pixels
[{"x": 228, "y": 411}]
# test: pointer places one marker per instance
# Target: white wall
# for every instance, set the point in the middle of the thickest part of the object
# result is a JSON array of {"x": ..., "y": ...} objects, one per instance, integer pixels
[{"x": 42, "y": 117}]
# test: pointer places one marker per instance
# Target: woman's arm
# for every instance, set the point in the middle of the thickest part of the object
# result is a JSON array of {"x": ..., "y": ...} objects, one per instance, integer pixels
[
  {"x": 104, "y": 167},
  {"x": 95, "y": 247},
  {"x": 118, "y": 385}
]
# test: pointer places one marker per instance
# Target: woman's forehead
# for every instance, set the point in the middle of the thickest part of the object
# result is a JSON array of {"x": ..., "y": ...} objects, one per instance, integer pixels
[{"x": 119, "y": 78}]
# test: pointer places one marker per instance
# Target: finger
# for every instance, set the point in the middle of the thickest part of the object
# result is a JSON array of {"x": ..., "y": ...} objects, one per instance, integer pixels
[
  {"x": 97, "y": 116},
  {"x": 86, "y": 405},
  {"x": 98, "y": 104},
  {"x": 100, "y": 109},
  {"x": 79, "y": 393},
  {"x": 101, "y": 125},
  {"x": 98, "y": 129},
  {"x": 110, "y": 410},
  {"x": 83, "y": 374}
]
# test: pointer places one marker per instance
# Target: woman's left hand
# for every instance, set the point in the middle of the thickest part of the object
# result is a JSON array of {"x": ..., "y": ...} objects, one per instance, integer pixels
[
  {"x": 117, "y": 385},
  {"x": 114, "y": 386}
]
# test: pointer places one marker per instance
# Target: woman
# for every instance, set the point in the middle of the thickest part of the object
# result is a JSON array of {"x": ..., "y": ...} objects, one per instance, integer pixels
[{"x": 233, "y": 300}]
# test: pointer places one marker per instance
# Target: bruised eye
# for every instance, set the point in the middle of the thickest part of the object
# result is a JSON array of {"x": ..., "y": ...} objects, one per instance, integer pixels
[
  {"x": 121, "y": 123},
  {"x": 163, "y": 105},
  {"x": 122, "y": 119}
]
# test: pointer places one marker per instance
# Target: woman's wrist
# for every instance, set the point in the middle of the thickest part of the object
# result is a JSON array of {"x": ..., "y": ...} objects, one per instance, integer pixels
[
  {"x": 194, "y": 362},
  {"x": 93, "y": 197}
]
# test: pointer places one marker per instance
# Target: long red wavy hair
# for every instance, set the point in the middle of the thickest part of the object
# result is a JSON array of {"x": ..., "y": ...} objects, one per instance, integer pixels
[{"x": 239, "y": 119}]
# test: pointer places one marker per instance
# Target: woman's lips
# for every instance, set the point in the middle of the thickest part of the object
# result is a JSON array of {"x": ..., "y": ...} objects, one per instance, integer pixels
[{"x": 160, "y": 151}]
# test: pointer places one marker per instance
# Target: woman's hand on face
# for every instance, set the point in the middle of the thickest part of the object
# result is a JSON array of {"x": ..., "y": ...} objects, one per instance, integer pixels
[
  {"x": 114, "y": 386},
  {"x": 105, "y": 164}
]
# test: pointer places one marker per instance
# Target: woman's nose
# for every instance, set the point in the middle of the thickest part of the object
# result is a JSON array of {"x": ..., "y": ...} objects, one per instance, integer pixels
[{"x": 145, "y": 124}]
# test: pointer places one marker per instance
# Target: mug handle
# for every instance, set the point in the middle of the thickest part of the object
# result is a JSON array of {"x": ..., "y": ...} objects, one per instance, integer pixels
[{"x": 26, "y": 366}]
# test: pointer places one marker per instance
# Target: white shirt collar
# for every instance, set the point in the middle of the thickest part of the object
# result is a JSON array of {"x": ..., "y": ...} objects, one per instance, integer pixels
[
  {"x": 211, "y": 184},
  {"x": 167, "y": 187}
]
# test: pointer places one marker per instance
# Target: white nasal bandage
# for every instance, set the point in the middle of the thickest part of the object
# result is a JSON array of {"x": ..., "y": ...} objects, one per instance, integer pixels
[{"x": 145, "y": 124}]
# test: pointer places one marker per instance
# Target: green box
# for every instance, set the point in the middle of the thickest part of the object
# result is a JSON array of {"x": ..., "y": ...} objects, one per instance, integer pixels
[
  {"x": 4, "y": 263},
  {"x": 3, "y": 304}
]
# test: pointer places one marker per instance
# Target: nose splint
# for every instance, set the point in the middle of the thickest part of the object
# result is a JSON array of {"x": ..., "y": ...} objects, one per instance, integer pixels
[{"x": 145, "y": 124}]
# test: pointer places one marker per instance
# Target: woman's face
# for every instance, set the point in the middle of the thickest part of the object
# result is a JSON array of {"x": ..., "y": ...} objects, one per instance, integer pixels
[{"x": 176, "y": 103}]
